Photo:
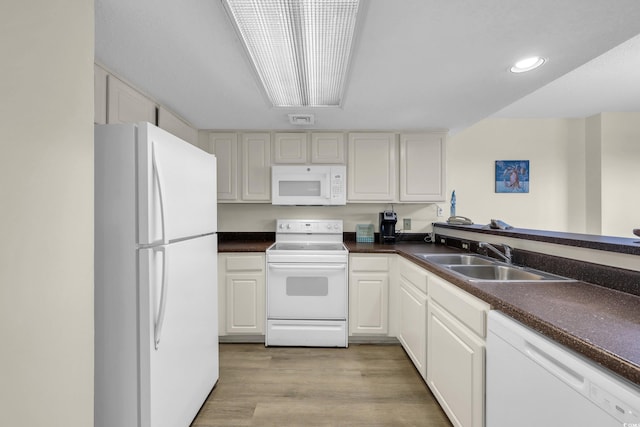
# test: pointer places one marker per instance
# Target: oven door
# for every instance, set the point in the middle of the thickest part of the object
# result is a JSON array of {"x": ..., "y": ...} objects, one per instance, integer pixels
[{"x": 307, "y": 291}]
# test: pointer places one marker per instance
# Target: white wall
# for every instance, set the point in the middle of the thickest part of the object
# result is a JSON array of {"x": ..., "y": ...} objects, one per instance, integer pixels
[
  {"x": 620, "y": 173},
  {"x": 46, "y": 213},
  {"x": 262, "y": 217},
  {"x": 583, "y": 173},
  {"x": 593, "y": 179},
  {"x": 556, "y": 174}
]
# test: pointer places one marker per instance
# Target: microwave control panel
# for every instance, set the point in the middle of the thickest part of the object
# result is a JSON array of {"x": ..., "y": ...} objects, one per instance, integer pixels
[{"x": 337, "y": 184}]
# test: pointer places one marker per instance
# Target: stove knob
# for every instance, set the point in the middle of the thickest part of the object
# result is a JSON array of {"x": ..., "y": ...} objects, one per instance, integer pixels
[
  {"x": 328, "y": 226},
  {"x": 288, "y": 226}
]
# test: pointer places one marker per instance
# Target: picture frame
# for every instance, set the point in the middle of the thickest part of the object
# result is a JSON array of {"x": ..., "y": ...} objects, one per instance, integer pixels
[{"x": 512, "y": 176}]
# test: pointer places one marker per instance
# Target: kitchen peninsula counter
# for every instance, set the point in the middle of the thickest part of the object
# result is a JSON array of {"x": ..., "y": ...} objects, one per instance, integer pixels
[{"x": 599, "y": 323}]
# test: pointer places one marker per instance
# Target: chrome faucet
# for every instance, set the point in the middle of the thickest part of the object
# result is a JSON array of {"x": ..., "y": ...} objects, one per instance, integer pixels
[{"x": 506, "y": 256}]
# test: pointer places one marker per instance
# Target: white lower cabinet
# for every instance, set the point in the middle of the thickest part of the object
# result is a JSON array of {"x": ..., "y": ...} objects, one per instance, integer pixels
[
  {"x": 369, "y": 293},
  {"x": 456, "y": 332},
  {"x": 413, "y": 313},
  {"x": 241, "y": 281}
]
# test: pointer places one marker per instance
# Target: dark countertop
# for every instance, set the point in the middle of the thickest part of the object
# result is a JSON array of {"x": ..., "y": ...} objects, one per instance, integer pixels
[
  {"x": 258, "y": 246},
  {"x": 597, "y": 322}
]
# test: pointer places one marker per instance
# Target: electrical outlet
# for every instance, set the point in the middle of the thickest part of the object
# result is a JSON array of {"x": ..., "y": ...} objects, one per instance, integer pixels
[
  {"x": 406, "y": 224},
  {"x": 439, "y": 211}
]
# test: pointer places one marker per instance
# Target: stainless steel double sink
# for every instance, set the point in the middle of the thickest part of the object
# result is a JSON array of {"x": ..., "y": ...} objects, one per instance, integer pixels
[{"x": 479, "y": 268}]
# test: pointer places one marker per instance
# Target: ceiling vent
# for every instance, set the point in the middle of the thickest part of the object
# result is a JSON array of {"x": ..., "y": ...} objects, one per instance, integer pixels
[{"x": 301, "y": 119}]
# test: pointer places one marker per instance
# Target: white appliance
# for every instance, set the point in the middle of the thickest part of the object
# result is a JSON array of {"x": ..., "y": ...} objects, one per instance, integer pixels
[
  {"x": 533, "y": 381},
  {"x": 307, "y": 288},
  {"x": 156, "y": 342},
  {"x": 309, "y": 185}
]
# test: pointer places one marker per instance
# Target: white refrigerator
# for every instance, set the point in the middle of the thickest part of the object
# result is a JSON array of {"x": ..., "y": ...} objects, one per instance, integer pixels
[{"x": 156, "y": 328}]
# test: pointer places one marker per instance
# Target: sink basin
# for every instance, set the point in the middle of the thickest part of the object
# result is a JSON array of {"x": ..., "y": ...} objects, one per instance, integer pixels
[
  {"x": 456, "y": 259},
  {"x": 502, "y": 273}
]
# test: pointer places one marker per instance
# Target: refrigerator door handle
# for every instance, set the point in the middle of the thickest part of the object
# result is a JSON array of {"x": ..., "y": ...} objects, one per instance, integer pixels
[
  {"x": 157, "y": 333},
  {"x": 156, "y": 176}
]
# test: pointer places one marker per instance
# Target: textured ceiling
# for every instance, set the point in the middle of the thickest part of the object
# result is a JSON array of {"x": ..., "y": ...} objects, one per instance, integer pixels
[{"x": 418, "y": 64}]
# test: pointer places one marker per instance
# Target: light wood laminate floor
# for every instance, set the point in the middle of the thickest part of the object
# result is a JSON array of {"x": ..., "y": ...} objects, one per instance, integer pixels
[{"x": 364, "y": 385}]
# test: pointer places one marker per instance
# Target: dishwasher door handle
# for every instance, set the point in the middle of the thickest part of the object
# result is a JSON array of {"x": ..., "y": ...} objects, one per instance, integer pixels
[{"x": 556, "y": 367}]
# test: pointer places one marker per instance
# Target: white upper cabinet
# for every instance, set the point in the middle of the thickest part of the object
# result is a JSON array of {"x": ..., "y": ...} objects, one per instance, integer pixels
[
  {"x": 255, "y": 152},
  {"x": 422, "y": 167},
  {"x": 290, "y": 147},
  {"x": 173, "y": 124},
  {"x": 304, "y": 148},
  {"x": 244, "y": 166},
  {"x": 327, "y": 148},
  {"x": 225, "y": 147},
  {"x": 127, "y": 105},
  {"x": 372, "y": 168}
]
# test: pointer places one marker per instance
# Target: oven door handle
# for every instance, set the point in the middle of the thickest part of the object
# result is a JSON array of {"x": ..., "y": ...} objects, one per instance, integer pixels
[{"x": 310, "y": 266}]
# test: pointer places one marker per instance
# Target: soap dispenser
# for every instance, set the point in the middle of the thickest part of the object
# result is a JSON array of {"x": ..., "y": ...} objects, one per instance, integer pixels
[{"x": 452, "y": 211}]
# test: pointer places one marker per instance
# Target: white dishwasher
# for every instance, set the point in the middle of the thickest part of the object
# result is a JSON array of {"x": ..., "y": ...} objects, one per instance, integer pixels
[{"x": 533, "y": 381}]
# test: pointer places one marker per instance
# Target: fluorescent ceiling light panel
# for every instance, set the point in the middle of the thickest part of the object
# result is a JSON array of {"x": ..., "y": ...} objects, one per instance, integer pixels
[{"x": 299, "y": 48}]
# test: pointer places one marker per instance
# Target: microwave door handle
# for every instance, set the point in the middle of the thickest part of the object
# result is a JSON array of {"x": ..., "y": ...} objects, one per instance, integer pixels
[{"x": 327, "y": 191}]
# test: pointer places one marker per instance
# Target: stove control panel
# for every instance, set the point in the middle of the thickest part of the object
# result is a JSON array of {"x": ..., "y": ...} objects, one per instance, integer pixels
[{"x": 299, "y": 226}]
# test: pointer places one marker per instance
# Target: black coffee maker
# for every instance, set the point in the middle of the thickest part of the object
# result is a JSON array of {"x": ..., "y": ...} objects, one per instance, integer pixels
[{"x": 388, "y": 221}]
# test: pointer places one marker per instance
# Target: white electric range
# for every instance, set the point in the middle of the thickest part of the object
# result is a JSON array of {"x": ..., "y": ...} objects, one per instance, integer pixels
[{"x": 307, "y": 285}]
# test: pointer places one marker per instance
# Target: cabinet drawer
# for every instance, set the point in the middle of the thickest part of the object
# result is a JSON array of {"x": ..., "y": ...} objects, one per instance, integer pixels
[
  {"x": 468, "y": 309},
  {"x": 368, "y": 263},
  {"x": 245, "y": 263},
  {"x": 413, "y": 274}
]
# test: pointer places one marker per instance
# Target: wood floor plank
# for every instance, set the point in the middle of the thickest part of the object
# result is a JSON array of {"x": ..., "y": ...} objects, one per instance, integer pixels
[{"x": 363, "y": 385}]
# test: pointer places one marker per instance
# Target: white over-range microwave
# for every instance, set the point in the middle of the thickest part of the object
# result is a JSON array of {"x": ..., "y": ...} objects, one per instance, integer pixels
[{"x": 315, "y": 185}]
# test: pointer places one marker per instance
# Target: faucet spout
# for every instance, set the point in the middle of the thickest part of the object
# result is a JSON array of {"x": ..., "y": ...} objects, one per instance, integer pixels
[{"x": 506, "y": 256}]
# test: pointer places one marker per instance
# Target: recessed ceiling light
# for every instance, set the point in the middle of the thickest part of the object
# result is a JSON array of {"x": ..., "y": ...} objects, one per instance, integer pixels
[{"x": 528, "y": 64}]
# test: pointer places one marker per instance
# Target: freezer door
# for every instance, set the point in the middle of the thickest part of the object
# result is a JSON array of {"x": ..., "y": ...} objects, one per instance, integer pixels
[
  {"x": 176, "y": 188},
  {"x": 178, "y": 330}
]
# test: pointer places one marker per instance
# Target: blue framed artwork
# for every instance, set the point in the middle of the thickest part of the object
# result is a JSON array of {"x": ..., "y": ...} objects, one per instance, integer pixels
[{"x": 512, "y": 176}]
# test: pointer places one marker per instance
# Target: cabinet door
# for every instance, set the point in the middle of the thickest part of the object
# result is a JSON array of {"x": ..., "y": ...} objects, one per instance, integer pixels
[
  {"x": 369, "y": 294},
  {"x": 244, "y": 285},
  {"x": 245, "y": 303},
  {"x": 126, "y": 105},
  {"x": 173, "y": 124},
  {"x": 100, "y": 95},
  {"x": 225, "y": 147},
  {"x": 256, "y": 167},
  {"x": 290, "y": 148},
  {"x": 368, "y": 308},
  {"x": 327, "y": 147},
  {"x": 455, "y": 368},
  {"x": 372, "y": 168},
  {"x": 413, "y": 324},
  {"x": 422, "y": 167}
]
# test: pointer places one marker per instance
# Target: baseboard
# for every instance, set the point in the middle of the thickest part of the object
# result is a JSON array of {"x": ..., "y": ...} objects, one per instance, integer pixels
[{"x": 359, "y": 339}]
